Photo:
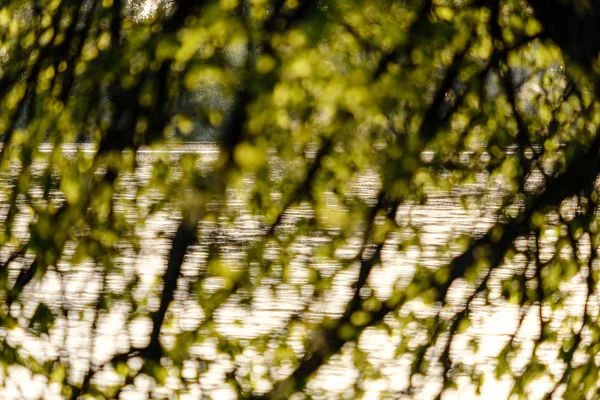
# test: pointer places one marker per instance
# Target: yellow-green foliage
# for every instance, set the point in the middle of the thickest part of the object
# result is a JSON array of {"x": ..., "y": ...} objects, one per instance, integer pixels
[{"x": 332, "y": 126}]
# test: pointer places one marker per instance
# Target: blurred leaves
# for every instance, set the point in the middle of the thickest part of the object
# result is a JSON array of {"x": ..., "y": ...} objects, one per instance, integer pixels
[{"x": 357, "y": 170}]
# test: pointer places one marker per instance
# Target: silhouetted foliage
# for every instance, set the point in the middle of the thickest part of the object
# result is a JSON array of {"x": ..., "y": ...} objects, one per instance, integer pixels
[{"x": 312, "y": 233}]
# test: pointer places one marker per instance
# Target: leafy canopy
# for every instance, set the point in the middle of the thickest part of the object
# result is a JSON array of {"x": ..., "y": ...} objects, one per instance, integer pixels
[{"x": 312, "y": 222}]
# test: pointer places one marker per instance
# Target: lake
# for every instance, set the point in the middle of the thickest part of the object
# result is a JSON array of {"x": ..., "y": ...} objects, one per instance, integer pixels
[{"x": 75, "y": 288}]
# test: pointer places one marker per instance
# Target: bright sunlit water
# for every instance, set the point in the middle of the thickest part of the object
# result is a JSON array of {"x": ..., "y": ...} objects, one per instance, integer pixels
[{"x": 441, "y": 218}]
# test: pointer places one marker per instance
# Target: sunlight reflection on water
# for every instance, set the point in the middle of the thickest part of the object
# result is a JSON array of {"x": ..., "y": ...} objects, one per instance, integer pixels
[{"x": 440, "y": 219}]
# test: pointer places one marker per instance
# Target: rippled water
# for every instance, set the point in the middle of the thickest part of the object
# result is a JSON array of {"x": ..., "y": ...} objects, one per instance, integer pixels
[{"x": 441, "y": 218}]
